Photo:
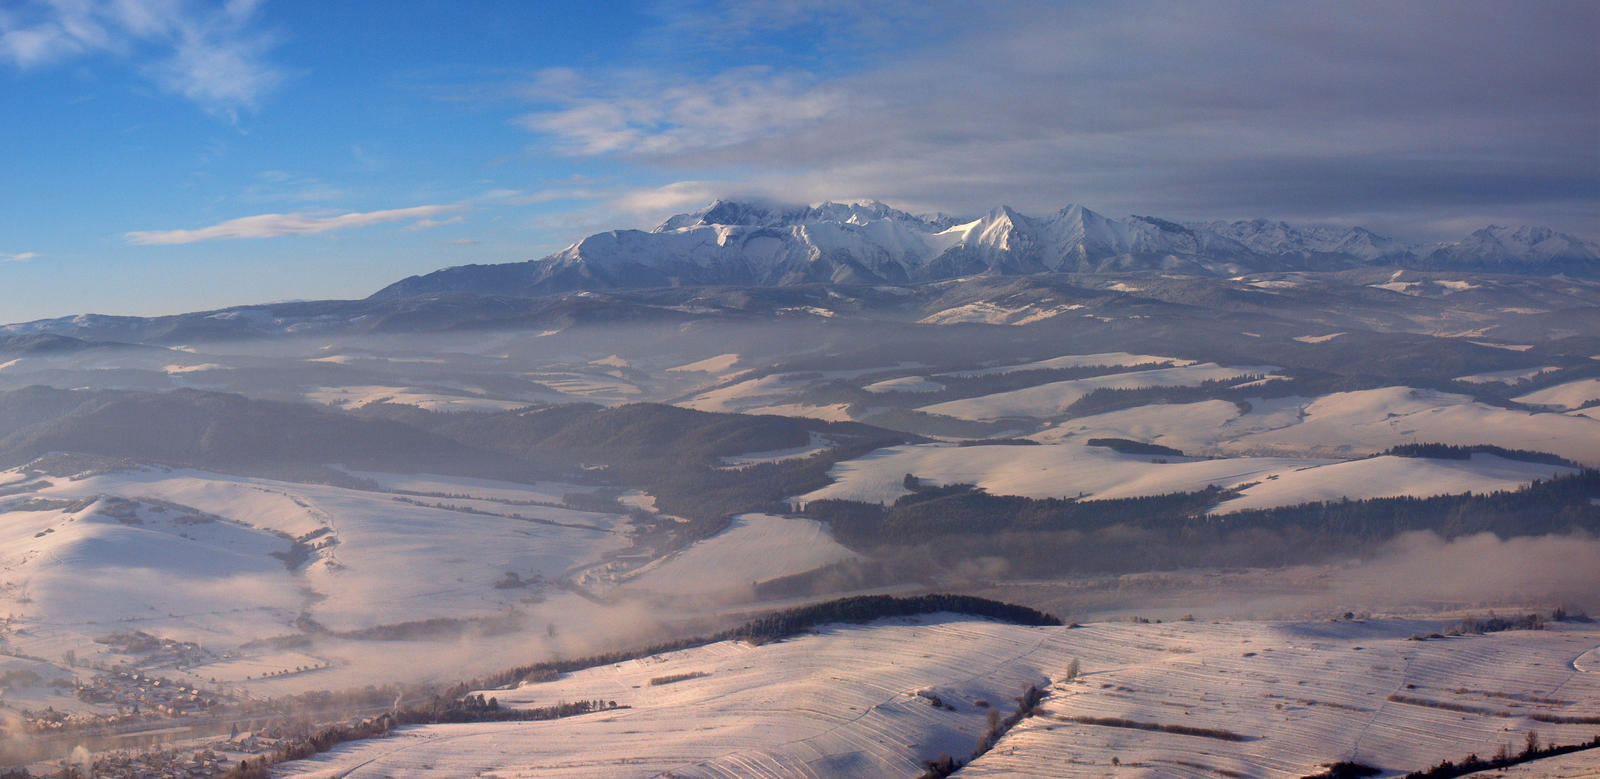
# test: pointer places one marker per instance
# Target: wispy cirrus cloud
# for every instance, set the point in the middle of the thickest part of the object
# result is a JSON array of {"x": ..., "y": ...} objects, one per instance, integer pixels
[
  {"x": 428, "y": 224},
  {"x": 275, "y": 225},
  {"x": 209, "y": 53},
  {"x": 18, "y": 256},
  {"x": 640, "y": 113}
]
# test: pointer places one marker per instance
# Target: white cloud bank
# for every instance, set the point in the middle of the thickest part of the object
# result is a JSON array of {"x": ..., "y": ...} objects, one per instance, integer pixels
[
  {"x": 299, "y": 223},
  {"x": 18, "y": 257},
  {"x": 1393, "y": 115}
]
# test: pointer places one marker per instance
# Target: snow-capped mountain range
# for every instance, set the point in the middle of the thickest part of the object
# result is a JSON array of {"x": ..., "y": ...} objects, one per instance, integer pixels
[{"x": 748, "y": 243}]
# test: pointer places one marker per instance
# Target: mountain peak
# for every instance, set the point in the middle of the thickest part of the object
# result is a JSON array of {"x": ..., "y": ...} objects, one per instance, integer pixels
[
  {"x": 754, "y": 242},
  {"x": 1501, "y": 245},
  {"x": 752, "y": 211}
]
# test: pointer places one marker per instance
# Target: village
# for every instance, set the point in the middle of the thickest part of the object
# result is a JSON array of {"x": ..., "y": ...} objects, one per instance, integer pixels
[{"x": 190, "y": 761}]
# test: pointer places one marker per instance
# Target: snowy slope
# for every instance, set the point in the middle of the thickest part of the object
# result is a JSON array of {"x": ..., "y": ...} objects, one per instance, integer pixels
[
  {"x": 905, "y": 384},
  {"x": 844, "y": 702},
  {"x": 754, "y": 548},
  {"x": 1302, "y": 695},
  {"x": 1507, "y": 248},
  {"x": 1090, "y": 472},
  {"x": 1349, "y": 424},
  {"x": 1342, "y": 424},
  {"x": 1568, "y": 396},
  {"x": 1104, "y": 360},
  {"x": 1188, "y": 427},
  {"x": 1388, "y": 477},
  {"x": 1064, "y": 471},
  {"x": 214, "y": 558},
  {"x": 1045, "y": 401}
]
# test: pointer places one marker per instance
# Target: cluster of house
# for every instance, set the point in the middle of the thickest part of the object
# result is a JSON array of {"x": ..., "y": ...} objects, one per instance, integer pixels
[
  {"x": 211, "y": 759},
  {"x": 156, "y": 650},
  {"x": 203, "y": 764},
  {"x": 138, "y": 693}
]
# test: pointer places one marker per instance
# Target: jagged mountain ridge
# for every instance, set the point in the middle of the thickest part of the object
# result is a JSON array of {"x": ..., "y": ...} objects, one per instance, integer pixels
[{"x": 760, "y": 244}]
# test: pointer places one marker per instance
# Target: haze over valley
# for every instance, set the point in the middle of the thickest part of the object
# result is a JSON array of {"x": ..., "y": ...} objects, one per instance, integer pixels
[{"x": 674, "y": 393}]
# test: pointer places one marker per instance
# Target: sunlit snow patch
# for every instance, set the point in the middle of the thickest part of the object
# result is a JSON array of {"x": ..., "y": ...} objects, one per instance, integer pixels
[
  {"x": 717, "y": 364},
  {"x": 905, "y": 384},
  {"x": 1101, "y": 360},
  {"x": 1506, "y": 377},
  {"x": 1568, "y": 396}
]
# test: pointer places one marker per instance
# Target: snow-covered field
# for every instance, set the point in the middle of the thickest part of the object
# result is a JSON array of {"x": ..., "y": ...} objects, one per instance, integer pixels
[
  {"x": 750, "y": 393},
  {"x": 1037, "y": 472},
  {"x": 1348, "y": 424},
  {"x": 486, "y": 489},
  {"x": 984, "y": 312},
  {"x": 1388, "y": 477},
  {"x": 592, "y": 385},
  {"x": 817, "y": 443},
  {"x": 1091, "y": 472},
  {"x": 1571, "y": 395},
  {"x": 845, "y": 701},
  {"x": 1307, "y": 694},
  {"x": 1341, "y": 424},
  {"x": 754, "y": 548},
  {"x": 1102, "y": 360},
  {"x": 1578, "y": 765},
  {"x": 1506, "y": 377},
  {"x": 1189, "y": 427},
  {"x": 905, "y": 384},
  {"x": 1051, "y": 400},
  {"x": 223, "y": 560},
  {"x": 354, "y": 397},
  {"x": 721, "y": 363},
  {"x": 778, "y": 393}
]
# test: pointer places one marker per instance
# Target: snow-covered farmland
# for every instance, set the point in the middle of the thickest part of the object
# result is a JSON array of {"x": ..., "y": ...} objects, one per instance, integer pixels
[
  {"x": 1348, "y": 424},
  {"x": 1102, "y": 360},
  {"x": 484, "y": 489},
  {"x": 861, "y": 700},
  {"x": 1037, "y": 472},
  {"x": 1506, "y": 377},
  {"x": 753, "y": 548},
  {"x": 905, "y": 384},
  {"x": 1578, "y": 765},
  {"x": 1571, "y": 395},
  {"x": 1388, "y": 477},
  {"x": 750, "y": 393},
  {"x": 1189, "y": 427},
  {"x": 1045, "y": 401},
  {"x": 1343, "y": 424},
  {"x": 223, "y": 560},
  {"x": 591, "y": 384},
  {"x": 354, "y": 397},
  {"x": 721, "y": 363},
  {"x": 827, "y": 412},
  {"x": 1068, "y": 470},
  {"x": 984, "y": 312},
  {"x": 779, "y": 393},
  {"x": 1302, "y": 695}
]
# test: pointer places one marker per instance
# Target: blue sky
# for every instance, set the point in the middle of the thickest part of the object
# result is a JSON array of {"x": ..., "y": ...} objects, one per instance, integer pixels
[{"x": 174, "y": 155}]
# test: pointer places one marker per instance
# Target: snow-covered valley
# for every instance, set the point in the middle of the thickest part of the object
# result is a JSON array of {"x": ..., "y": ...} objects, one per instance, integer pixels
[{"x": 259, "y": 522}]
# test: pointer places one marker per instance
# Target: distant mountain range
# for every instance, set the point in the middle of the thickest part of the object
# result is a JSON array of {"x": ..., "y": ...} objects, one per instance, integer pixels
[
  {"x": 761, "y": 261},
  {"x": 760, "y": 244}
]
